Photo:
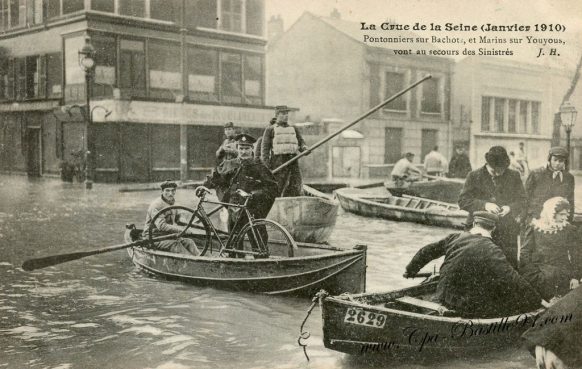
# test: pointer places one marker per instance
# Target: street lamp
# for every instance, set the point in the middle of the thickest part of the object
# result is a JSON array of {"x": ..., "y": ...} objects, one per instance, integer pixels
[
  {"x": 87, "y": 64},
  {"x": 568, "y": 116}
]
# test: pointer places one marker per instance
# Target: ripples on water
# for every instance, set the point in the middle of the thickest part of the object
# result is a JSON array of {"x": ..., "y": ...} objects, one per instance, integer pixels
[{"x": 100, "y": 312}]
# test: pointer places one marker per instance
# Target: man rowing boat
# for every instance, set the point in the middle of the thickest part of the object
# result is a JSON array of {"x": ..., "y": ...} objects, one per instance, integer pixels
[{"x": 167, "y": 223}]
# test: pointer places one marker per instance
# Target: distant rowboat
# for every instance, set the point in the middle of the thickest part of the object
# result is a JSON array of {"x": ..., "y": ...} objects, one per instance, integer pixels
[
  {"x": 439, "y": 189},
  {"x": 405, "y": 208}
]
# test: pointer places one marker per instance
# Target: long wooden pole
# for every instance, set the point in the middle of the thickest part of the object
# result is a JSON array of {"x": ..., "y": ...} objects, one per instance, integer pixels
[{"x": 361, "y": 117}]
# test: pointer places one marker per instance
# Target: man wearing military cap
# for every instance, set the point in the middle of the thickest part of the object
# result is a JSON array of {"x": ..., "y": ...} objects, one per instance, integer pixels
[
  {"x": 248, "y": 174},
  {"x": 281, "y": 142},
  {"x": 498, "y": 190},
  {"x": 476, "y": 279},
  {"x": 228, "y": 148},
  {"x": 167, "y": 223},
  {"x": 551, "y": 180}
]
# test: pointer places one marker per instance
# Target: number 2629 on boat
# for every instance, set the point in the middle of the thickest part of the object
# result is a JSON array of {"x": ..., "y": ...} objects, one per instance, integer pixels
[{"x": 364, "y": 317}]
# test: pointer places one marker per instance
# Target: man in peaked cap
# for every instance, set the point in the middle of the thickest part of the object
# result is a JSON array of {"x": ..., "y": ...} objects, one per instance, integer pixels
[
  {"x": 476, "y": 279},
  {"x": 167, "y": 223},
  {"x": 549, "y": 181},
  {"x": 498, "y": 190},
  {"x": 248, "y": 174},
  {"x": 227, "y": 149},
  {"x": 281, "y": 142}
]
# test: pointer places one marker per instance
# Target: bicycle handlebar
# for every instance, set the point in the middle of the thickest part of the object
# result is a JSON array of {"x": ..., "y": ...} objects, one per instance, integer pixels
[
  {"x": 243, "y": 193},
  {"x": 201, "y": 191}
]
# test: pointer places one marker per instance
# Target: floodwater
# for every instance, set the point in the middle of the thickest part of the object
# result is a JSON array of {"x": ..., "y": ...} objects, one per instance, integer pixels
[{"x": 101, "y": 312}]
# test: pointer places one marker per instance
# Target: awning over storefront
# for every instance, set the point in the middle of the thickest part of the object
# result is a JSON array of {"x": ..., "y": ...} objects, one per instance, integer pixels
[
  {"x": 149, "y": 112},
  {"x": 29, "y": 106}
]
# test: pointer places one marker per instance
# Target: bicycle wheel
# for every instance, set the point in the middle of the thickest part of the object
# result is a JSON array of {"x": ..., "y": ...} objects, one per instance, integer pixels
[
  {"x": 201, "y": 238},
  {"x": 266, "y": 237}
]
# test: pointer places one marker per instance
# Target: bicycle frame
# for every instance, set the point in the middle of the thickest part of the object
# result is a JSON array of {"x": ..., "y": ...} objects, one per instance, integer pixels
[{"x": 226, "y": 247}]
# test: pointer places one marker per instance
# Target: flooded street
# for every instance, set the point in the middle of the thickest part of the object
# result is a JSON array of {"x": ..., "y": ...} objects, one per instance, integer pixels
[{"x": 101, "y": 312}]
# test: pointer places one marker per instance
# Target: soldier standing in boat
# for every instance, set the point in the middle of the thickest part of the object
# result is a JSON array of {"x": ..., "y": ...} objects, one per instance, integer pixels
[
  {"x": 227, "y": 150},
  {"x": 167, "y": 223},
  {"x": 259, "y": 143},
  {"x": 498, "y": 190},
  {"x": 281, "y": 142},
  {"x": 248, "y": 174}
]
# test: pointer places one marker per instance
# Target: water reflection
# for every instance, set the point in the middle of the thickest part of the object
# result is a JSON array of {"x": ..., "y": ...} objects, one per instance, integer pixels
[{"x": 102, "y": 312}]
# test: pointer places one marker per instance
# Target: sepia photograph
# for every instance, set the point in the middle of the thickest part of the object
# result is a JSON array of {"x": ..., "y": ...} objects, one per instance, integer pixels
[{"x": 259, "y": 184}]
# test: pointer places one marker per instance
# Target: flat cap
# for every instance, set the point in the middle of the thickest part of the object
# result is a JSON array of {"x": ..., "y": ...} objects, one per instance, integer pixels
[
  {"x": 485, "y": 217},
  {"x": 281, "y": 108},
  {"x": 229, "y": 125},
  {"x": 559, "y": 151},
  {"x": 497, "y": 157},
  {"x": 168, "y": 184},
  {"x": 244, "y": 139}
]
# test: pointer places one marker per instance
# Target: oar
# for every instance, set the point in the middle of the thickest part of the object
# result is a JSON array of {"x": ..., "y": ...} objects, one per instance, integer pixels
[
  {"x": 47, "y": 261},
  {"x": 365, "y": 115},
  {"x": 446, "y": 179}
]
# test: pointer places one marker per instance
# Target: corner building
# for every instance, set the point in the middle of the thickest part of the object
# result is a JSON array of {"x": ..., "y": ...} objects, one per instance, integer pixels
[{"x": 170, "y": 72}]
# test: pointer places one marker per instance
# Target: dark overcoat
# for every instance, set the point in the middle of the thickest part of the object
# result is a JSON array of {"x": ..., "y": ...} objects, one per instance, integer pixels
[
  {"x": 558, "y": 329},
  {"x": 541, "y": 186},
  {"x": 475, "y": 278},
  {"x": 459, "y": 166},
  {"x": 505, "y": 190}
]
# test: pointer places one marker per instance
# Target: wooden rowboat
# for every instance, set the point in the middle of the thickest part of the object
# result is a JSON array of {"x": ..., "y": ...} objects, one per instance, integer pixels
[
  {"x": 439, "y": 189},
  {"x": 310, "y": 218},
  {"x": 313, "y": 267},
  {"x": 405, "y": 208},
  {"x": 404, "y": 324}
]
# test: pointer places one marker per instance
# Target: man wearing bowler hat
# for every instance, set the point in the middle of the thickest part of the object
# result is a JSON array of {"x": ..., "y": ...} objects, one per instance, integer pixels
[
  {"x": 228, "y": 148},
  {"x": 498, "y": 190},
  {"x": 248, "y": 174},
  {"x": 167, "y": 223},
  {"x": 551, "y": 180},
  {"x": 476, "y": 280},
  {"x": 281, "y": 142}
]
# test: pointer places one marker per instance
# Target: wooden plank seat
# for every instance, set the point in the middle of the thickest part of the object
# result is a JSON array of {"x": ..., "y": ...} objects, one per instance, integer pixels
[{"x": 431, "y": 306}]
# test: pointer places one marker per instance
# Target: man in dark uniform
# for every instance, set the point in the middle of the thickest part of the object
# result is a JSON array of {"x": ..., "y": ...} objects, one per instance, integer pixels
[
  {"x": 498, "y": 190},
  {"x": 476, "y": 280},
  {"x": 248, "y": 174},
  {"x": 552, "y": 180},
  {"x": 281, "y": 142},
  {"x": 167, "y": 223},
  {"x": 227, "y": 150},
  {"x": 460, "y": 165}
]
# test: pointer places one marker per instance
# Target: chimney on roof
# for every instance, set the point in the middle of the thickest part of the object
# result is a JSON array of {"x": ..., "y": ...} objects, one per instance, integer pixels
[
  {"x": 275, "y": 27},
  {"x": 335, "y": 14}
]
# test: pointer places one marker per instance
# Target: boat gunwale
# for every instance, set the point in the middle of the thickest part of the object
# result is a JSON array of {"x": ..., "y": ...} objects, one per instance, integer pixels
[
  {"x": 352, "y": 302},
  {"x": 245, "y": 261}
]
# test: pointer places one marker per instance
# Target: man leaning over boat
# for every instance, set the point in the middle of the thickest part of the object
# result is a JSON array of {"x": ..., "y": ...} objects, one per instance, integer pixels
[
  {"x": 476, "y": 280},
  {"x": 167, "y": 223}
]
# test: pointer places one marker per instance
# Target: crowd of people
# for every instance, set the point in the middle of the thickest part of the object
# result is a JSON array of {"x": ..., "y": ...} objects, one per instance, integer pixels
[
  {"x": 486, "y": 274},
  {"x": 519, "y": 240}
]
